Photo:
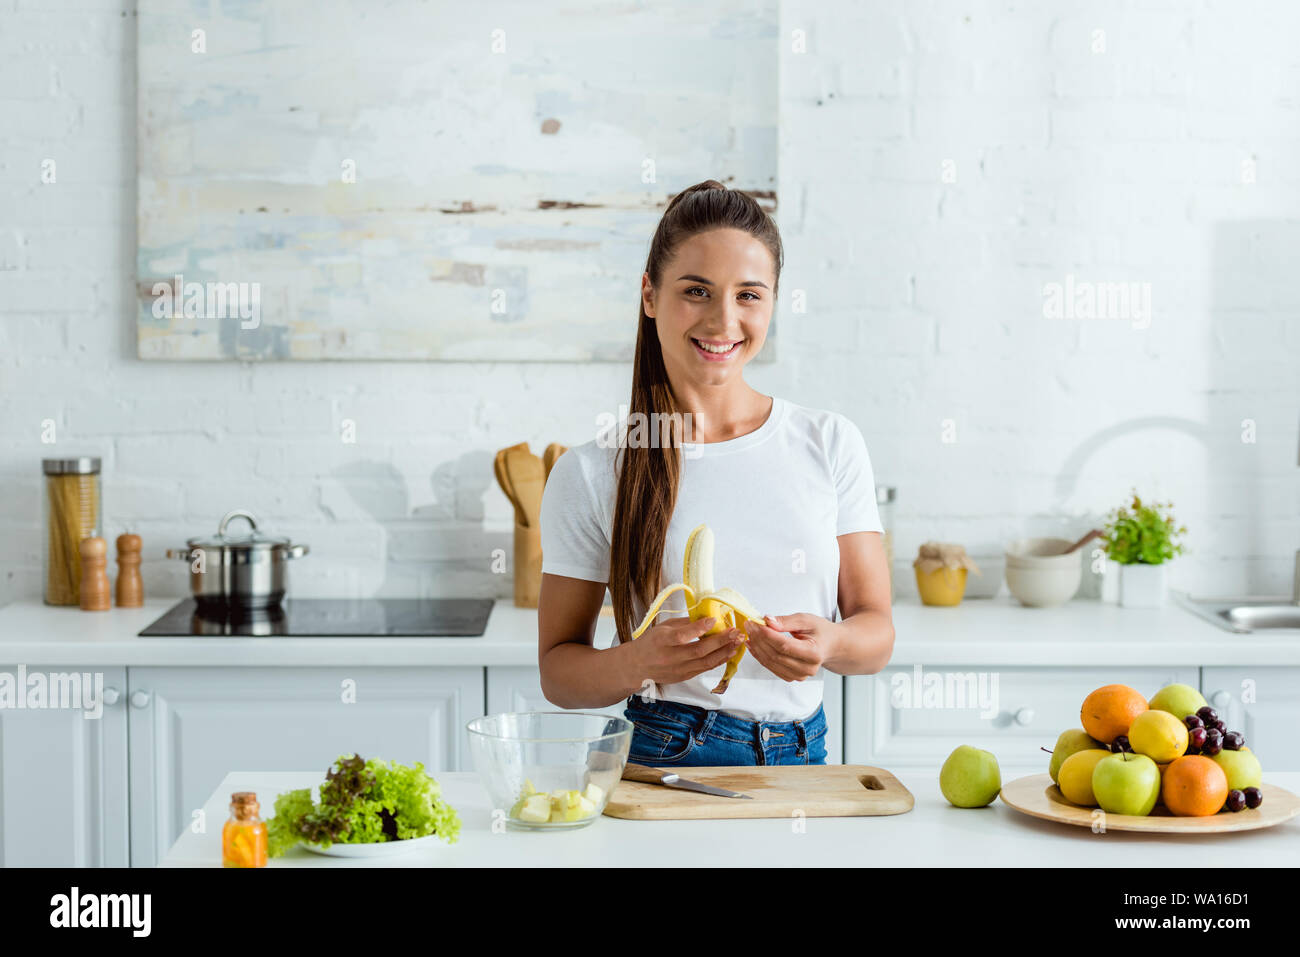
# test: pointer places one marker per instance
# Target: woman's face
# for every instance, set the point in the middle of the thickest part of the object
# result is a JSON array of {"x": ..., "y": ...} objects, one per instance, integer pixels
[{"x": 713, "y": 306}]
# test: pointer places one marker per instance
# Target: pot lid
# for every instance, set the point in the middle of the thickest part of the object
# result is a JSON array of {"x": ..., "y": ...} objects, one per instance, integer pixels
[{"x": 241, "y": 538}]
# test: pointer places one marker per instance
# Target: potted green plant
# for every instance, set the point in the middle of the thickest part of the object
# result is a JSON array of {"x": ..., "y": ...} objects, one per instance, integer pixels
[{"x": 1142, "y": 538}]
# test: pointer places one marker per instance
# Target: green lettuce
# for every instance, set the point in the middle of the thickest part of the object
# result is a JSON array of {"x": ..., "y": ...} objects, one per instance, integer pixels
[{"x": 363, "y": 802}]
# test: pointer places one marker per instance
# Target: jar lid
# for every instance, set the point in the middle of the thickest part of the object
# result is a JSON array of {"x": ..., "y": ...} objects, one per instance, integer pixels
[
  {"x": 884, "y": 494},
  {"x": 82, "y": 465},
  {"x": 244, "y": 804}
]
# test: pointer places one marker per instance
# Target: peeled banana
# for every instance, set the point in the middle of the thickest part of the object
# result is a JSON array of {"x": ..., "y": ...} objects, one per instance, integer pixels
[{"x": 728, "y": 606}]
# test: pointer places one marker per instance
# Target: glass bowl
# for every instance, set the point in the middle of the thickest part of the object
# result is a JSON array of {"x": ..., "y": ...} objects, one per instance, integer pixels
[{"x": 571, "y": 759}]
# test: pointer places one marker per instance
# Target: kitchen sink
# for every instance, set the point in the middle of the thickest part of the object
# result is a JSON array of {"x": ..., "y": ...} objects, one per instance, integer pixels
[{"x": 1243, "y": 616}]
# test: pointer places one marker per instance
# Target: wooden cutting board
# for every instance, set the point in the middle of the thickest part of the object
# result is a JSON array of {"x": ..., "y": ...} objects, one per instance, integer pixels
[{"x": 830, "y": 790}]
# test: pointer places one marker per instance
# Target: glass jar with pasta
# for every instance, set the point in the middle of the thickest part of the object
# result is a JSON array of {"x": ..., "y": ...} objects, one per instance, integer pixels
[{"x": 72, "y": 512}]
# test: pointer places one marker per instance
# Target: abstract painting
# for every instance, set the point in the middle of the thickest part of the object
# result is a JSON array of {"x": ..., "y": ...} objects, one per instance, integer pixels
[{"x": 397, "y": 179}]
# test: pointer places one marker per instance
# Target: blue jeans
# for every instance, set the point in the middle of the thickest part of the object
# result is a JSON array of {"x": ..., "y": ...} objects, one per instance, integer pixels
[{"x": 682, "y": 735}]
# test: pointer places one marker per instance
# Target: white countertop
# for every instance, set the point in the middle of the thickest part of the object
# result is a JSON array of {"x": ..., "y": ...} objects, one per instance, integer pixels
[
  {"x": 32, "y": 632},
  {"x": 993, "y": 632},
  {"x": 933, "y": 833}
]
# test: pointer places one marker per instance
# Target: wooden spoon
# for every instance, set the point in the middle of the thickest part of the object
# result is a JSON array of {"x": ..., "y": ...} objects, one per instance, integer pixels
[
  {"x": 1095, "y": 533},
  {"x": 503, "y": 478},
  {"x": 527, "y": 478},
  {"x": 553, "y": 452}
]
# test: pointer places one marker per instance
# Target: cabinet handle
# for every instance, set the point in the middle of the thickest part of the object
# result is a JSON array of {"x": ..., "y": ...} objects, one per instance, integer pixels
[
  {"x": 111, "y": 696},
  {"x": 140, "y": 699},
  {"x": 1220, "y": 700},
  {"x": 1024, "y": 716}
]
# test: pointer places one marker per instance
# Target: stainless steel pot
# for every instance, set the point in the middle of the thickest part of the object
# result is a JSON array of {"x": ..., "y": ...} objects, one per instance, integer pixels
[{"x": 248, "y": 570}]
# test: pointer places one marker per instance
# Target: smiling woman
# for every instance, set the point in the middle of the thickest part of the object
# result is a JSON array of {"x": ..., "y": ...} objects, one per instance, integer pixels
[{"x": 787, "y": 492}]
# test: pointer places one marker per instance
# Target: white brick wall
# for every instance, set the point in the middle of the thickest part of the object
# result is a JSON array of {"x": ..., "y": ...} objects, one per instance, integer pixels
[{"x": 924, "y": 296}]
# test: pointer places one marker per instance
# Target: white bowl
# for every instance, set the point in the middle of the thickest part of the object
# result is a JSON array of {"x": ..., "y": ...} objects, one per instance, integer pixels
[
  {"x": 1042, "y": 553},
  {"x": 1040, "y": 573},
  {"x": 1044, "y": 587}
]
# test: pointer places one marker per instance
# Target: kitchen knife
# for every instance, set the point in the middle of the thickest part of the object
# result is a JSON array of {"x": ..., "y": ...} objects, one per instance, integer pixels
[{"x": 645, "y": 775}]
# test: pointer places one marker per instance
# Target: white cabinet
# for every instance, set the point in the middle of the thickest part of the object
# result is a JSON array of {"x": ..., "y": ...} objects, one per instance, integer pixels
[
  {"x": 520, "y": 689},
  {"x": 190, "y": 727},
  {"x": 915, "y": 716},
  {"x": 63, "y": 777},
  {"x": 1262, "y": 703}
]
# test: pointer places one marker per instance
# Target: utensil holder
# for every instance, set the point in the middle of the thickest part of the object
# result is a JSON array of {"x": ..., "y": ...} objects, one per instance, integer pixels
[{"x": 528, "y": 566}]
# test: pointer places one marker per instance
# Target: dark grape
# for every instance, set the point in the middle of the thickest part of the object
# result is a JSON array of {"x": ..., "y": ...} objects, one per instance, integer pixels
[
  {"x": 1207, "y": 714},
  {"x": 1213, "y": 742},
  {"x": 1236, "y": 801},
  {"x": 1221, "y": 726},
  {"x": 1254, "y": 797},
  {"x": 1193, "y": 722},
  {"x": 1233, "y": 740},
  {"x": 1121, "y": 744},
  {"x": 1196, "y": 739}
]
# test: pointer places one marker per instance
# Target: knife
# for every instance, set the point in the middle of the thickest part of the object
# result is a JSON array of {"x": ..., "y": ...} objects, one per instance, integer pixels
[{"x": 645, "y": 775}]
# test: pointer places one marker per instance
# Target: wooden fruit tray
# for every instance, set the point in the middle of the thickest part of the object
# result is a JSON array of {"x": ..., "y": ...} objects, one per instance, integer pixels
[{"x": 1037, "y": 796}]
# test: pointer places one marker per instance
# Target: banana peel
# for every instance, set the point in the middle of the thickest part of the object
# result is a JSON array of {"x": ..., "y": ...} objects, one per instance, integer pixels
[{"x": 730, "y": 608}]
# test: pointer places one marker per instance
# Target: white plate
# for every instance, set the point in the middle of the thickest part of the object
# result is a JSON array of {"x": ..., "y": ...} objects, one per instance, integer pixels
[{"x": 382, "y": 849}]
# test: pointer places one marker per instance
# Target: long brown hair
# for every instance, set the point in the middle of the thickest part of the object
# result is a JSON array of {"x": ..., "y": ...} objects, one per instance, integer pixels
[{"x": 648, "y": 476}]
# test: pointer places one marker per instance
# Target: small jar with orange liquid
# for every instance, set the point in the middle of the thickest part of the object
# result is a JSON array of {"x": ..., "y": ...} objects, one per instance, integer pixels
[{"x": 243, "y": 839}]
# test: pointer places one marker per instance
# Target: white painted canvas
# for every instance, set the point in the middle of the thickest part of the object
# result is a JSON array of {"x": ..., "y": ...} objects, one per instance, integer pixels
[{"x": 397, "y": 179}]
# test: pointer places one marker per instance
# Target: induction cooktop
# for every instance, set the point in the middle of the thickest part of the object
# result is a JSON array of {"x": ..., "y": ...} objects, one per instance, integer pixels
[{"x": 330, "y": 618}]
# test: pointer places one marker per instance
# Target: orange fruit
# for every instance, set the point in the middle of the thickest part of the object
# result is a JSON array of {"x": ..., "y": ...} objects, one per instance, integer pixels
[
  {"x": 1194, "y": 786},
  {"x": 1109, "y": 711}
]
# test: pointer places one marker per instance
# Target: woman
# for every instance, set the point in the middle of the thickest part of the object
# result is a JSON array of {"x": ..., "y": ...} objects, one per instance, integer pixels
[{"x": 787, "y": 491}]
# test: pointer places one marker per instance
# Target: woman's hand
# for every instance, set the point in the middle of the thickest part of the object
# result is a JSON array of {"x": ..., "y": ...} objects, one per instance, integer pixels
[
  {"x": 794, "y": 656},
  {"x": 668, "y": 652}
]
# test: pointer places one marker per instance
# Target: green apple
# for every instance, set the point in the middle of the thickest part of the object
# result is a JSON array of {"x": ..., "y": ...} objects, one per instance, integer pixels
[
  {"x": 1070, "y": 742},
  {"x": 1241, "y": 767},
  {"x": 1126, "y": 783},
  {"x": 1178, "y": 700},
  {"x": 970, "y": 777}
]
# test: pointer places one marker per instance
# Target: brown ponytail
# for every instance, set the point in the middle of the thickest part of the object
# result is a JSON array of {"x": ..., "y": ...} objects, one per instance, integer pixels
[{"x": 648, "y": 476}]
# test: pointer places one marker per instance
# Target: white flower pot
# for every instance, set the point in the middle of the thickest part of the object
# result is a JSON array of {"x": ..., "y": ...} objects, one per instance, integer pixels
[
  {"x": 1110, "y": 581},
  {"x": 1142, "y": 586}
]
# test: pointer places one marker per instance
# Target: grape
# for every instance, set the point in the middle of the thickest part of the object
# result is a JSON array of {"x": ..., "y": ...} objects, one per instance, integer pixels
[
  {"x": 1233, "y": 740},
  {"x": 1213, "y": 742},
  {"x": 1207, "y": 714},
  {"x": 1236, "y": 801},
  {"x": 1121, "y": 744},
  {"x": 1254, "y": 797},
  {"x": 1221, "y": 726},
  {"x": 1193, "y": 722},
  {"x": 1196, "y": 739}
]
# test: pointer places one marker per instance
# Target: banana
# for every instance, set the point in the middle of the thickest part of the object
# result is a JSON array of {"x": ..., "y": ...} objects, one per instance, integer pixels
[{"x": 730, "y": 608}]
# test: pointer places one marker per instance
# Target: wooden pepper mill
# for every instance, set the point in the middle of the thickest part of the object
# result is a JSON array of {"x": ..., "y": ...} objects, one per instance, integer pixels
[
  {"x": 130, "y": 587},
  {"x": 95, "y": 593}
]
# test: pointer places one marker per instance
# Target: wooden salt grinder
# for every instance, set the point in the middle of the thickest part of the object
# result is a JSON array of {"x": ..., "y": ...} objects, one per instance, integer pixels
[
  {"x": 95, "y": 593},
  {"x": 130, "y": 587}
]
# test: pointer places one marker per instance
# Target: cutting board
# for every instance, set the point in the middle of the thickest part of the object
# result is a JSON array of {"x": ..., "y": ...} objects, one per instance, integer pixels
[{"x": 816, "y": 790}]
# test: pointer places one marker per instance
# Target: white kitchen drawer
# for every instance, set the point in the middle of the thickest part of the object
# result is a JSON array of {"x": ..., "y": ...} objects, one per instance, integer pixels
[
  {"x": 190, "y": 727},
  {"x": 63, "y": 779},
  {"x": 1262, "y": 703},
  {"x": 1030, "y": 708}
]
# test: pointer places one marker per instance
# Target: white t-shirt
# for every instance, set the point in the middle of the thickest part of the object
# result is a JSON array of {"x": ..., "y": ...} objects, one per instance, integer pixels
[{"x": 776, "y": 499}]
